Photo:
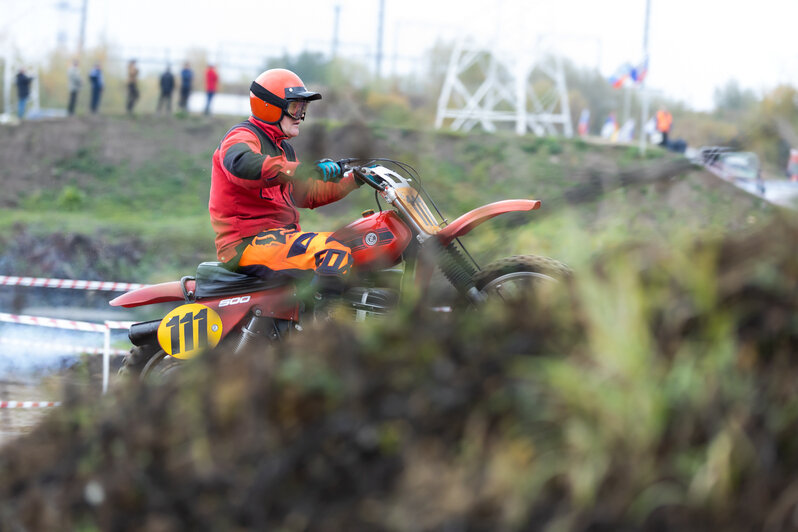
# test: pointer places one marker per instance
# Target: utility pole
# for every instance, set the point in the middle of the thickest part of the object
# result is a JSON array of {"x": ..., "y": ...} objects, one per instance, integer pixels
[
  {"x": 337, "y": 18},
  {"x": 7, "y": 80},
  {"x": 643, "y": 91},
  {"x": 380, "y": 21},
  {"x": 82, "y": 35}
]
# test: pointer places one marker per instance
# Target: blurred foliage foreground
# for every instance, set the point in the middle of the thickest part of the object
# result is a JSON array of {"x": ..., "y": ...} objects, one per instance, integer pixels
[{"x": 655, "y": 390}]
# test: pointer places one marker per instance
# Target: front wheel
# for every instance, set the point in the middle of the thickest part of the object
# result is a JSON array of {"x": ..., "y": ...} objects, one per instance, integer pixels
[{"x": 517, "y": 277}]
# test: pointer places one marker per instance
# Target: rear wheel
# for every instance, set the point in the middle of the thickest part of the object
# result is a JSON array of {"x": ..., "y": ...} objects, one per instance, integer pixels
[
  {"x": 137, "y": 359},
  {"x": 159, "y": 366},
  {"x": 147, "y": 362},
  {"x": 518, "y": 277}
]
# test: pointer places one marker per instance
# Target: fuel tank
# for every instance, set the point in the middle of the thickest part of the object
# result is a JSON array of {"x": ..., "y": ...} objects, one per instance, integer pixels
[{"x": 377, "y": 240}]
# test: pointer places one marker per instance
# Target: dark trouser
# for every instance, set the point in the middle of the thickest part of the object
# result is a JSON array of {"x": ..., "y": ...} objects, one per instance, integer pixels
[
  {"x": 23, "y": 102},
  {"x": 184, "y": 94},
  {"x": 132, "y": 96},
  {"x": 73, "y": 99},
  {"x": 664, "y": 141},
  {"x": 208, "y": 103},
  {"x": 165, "y": 102},
  {"x": 96, "y": 94}
]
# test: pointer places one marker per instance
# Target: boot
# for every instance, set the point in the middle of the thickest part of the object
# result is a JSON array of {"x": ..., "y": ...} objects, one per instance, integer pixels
[{"x": 326, "y": 297}]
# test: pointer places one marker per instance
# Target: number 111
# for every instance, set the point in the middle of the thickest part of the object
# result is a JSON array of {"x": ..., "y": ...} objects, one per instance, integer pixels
[{"x": 187, "y": 320}]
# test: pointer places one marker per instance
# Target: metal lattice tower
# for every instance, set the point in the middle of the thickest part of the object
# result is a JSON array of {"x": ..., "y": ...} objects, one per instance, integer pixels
[{"x": 488, "y": 86}]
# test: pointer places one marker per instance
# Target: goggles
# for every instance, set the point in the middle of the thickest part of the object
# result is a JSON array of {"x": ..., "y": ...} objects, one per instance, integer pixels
[{"x": 296, "y": 109}]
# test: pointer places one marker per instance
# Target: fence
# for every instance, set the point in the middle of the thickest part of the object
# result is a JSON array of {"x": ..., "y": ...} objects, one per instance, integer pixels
[{"x": 104, "y": 328}]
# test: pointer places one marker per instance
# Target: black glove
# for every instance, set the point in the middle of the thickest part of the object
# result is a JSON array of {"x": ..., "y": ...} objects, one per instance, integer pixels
[{"x": 331, "y": 171}]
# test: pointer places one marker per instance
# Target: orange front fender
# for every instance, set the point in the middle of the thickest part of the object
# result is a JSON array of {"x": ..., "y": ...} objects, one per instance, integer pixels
[{"x": 471, "y": 219}]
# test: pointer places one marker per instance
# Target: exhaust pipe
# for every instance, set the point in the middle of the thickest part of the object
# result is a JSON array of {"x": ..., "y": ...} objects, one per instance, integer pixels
[{"x": 144, "y": 333}]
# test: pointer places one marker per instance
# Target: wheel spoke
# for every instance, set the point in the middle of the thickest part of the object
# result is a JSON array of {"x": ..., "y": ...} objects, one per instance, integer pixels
[{"x": 516, "y": 282}]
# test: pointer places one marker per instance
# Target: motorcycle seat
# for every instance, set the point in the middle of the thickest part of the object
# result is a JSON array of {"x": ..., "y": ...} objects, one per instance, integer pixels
[{"x": 214, "y": 280}]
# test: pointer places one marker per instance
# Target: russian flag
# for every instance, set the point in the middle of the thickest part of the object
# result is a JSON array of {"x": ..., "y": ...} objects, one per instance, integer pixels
[
  {"x": 620, "y": 76},
  {"x": 638, "y": 73},
  {"x": 584, "y": 122}
]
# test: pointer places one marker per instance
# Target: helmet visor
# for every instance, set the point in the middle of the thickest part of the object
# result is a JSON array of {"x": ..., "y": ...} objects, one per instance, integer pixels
[{"x": 296, "y": 109}]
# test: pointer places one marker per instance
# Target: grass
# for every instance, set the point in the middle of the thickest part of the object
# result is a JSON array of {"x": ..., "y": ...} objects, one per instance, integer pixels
[
  {"x": 656, "y": 391},
  {"x": 658, "y": 383},
  {"x": 163, "y": 201}
]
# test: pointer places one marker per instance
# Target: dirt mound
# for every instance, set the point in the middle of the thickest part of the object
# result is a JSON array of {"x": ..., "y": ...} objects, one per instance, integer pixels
[
  {"x": 63, "y": 256},
  {"x": 41, "y": 154},
  {"x": 509, "y": 420}
]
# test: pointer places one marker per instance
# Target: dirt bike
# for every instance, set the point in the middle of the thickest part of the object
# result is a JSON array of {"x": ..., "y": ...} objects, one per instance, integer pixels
[{"x": 407, "y": 240}]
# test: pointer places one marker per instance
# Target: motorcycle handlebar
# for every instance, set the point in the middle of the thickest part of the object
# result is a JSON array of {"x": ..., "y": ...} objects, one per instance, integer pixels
[{"x": 361, "y": 173}]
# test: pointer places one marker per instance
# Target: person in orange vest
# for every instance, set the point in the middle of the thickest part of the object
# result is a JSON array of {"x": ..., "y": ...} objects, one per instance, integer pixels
[{"x": 664, "y": 122}]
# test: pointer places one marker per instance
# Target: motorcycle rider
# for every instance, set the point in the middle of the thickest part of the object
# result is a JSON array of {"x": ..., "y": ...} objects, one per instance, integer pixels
[{"x": 257, "y": 183}]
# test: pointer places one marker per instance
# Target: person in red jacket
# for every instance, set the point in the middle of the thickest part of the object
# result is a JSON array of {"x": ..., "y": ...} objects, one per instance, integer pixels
[
  {"x": 257, "y": 183},
  {"x": 211, "y": 81}
]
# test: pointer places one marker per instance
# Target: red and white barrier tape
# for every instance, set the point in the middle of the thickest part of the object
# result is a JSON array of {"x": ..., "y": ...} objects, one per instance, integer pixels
[
  {"x": 68, "y": 283},
  {"x": 28, "y": 404},
  {"x": 64, "y": 324},
  {"x": 119, "y": 324},
  {"x": 51, "y": 346},
  {"x": 53, "y": 322}
]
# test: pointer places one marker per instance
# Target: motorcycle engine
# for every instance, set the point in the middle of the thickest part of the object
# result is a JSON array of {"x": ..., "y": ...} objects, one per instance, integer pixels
[
  {"x": 368, "y": 302},
  {"x": 377, "y": 294}
]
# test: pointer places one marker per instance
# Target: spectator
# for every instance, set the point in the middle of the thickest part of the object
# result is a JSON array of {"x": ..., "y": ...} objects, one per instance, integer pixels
[
  {"x": 186, "y": 77},
  {"x": 760, "y": 182},
  {"x": 627, "y": 131},
  {"x": 664, "y": 122},
  {"x": 609, "y": 130},
  {"x": 167, "y": 86},
  {"x": 74, "y": 81},
  {"x": 211, "y": 79},
  {"x": 792, "y": 165},
  {"x": 132, "y": 85},
  {"x": 23, "y": 91},
  {"x": 97, "y": 85}
]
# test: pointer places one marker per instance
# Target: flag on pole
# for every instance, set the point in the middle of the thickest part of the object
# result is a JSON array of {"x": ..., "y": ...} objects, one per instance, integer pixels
[
  {"x": 639, "y": 72},
  {"x": 619, "y": 77},
  {"x": 584, "y": 122},
  {"x": 628, "y": 74}
]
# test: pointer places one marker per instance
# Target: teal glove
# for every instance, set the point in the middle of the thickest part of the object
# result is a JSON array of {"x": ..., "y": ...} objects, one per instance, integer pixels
[{"x": 331, "y": 172}]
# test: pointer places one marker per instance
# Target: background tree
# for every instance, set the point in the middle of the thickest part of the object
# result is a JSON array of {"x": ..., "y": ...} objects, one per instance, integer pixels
[{"x": 733, "y": 100}]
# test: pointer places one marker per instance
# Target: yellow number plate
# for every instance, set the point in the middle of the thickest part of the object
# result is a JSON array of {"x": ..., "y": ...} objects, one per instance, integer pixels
[{"x": 189, "y": 329}]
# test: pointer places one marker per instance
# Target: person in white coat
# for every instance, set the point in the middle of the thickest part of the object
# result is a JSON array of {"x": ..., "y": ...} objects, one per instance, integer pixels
[{"x": 73, "y": 78}]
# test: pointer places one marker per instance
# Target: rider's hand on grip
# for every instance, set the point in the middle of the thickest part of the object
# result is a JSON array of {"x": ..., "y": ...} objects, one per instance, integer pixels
[{"x": 331, "y": 171}]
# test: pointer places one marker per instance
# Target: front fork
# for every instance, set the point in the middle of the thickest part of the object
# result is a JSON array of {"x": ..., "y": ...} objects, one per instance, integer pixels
[{"x": 457, "y": 269}]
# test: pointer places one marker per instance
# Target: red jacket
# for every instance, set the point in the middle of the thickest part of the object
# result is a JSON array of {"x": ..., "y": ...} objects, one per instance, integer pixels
[
  {"x": 211, "y": 78},
  {"x": 253, "y": 187}
]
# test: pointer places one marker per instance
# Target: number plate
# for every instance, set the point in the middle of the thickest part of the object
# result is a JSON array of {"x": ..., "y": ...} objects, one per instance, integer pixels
[
  {"x": 417, "y": 209},
  {"x": 189, "y": 329}
]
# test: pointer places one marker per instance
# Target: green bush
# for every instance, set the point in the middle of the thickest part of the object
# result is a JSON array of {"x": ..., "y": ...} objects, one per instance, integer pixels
[{"x": 71, "y": 198}]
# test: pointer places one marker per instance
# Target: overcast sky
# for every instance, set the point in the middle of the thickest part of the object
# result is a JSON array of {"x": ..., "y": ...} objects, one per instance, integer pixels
[{"x": 694, "y": 45}]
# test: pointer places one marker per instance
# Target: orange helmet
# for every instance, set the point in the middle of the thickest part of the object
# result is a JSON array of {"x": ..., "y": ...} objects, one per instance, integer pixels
[{"x": 279, "y": 91}]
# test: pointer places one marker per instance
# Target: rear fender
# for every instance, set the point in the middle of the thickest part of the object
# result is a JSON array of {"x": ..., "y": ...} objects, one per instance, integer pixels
[
  {"x": 471, "y": 219},
  {"x": 156, "y": 293}
]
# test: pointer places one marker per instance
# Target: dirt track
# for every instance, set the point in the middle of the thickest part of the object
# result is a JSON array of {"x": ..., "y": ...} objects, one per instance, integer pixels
[{"x": 17, "y": 421}]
